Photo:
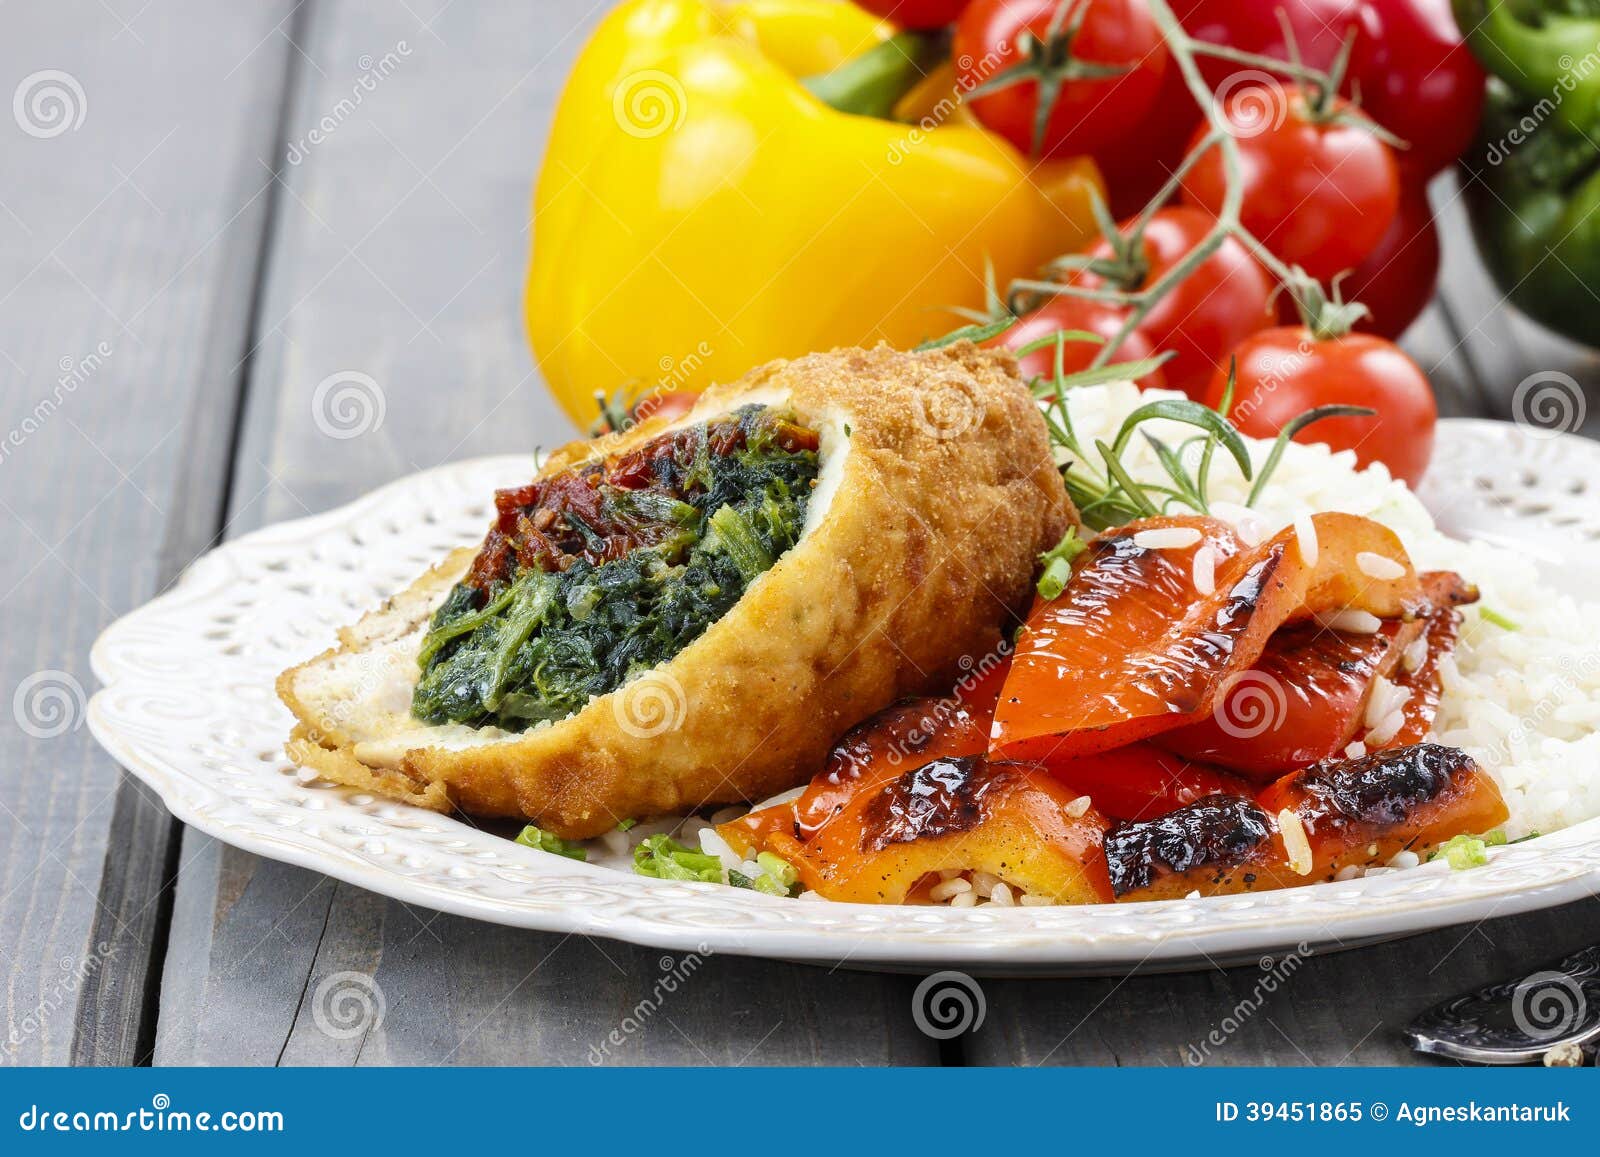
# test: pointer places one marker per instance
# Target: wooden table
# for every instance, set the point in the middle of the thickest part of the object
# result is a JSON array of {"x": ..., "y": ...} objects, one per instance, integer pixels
[{"x": 173, "y": 290}]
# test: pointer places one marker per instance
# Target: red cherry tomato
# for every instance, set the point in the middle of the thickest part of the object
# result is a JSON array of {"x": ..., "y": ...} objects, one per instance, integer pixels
[
  {"x": 915, "y": 13},
  {"x": 1317, "y": 28},
  {"x": 1088, "y": 112},
  {"x": 1319, "y": 192},
  {"x": 1284, "y": 371},
  {"x": 1208, "y": 313},
  {"x": 1134, "y": 175},
  {"x": 1408, "y": 64},
  {"x": 1074, "y": 313},
  {"x": 668, "y": 404},
  {"x": 1396, "y": 280},
  {"x": 1417, "y": 79}
]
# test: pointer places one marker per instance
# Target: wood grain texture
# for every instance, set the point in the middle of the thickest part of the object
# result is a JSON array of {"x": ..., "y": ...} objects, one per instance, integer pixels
[
  {"x": 1339, "y": 1008},
  {"x": 398, "y": 240},
  {"x": 398, "y": 257},
  {"x": 129, "y": 237}
]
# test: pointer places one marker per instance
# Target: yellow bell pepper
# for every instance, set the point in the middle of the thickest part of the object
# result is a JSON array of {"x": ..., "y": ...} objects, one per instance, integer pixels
[{"x": 700, "y": 211}]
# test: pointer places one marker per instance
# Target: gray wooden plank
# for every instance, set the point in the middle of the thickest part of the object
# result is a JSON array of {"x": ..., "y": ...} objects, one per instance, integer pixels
[
  {"x": 400, "y": 256},
  {"x": 128, "y": 233},
  {"x": 1318, "y": 1008}
]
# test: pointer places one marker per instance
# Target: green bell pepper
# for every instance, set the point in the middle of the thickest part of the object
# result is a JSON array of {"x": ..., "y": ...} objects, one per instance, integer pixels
[{"x": 1533, "y": 186}]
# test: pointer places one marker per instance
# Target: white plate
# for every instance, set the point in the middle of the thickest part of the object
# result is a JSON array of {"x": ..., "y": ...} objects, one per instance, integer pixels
[{"x": 188, "y": 706}]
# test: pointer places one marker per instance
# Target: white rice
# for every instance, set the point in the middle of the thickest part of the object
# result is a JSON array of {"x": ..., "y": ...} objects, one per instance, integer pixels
[
  {"x": 1305, "y": 536},
  {"x": 1524, "y": 703},
  {"x": 1295, "y": 842},
  {"x": 962, "y": 889},
  {"x": 1352, "y": 622},
  {"x": 1378, "y": 566},
  {"x": 1416, "y": 655},
  {"x": 1167, "y": 538},
  {"x": 1205, "y": 571}
]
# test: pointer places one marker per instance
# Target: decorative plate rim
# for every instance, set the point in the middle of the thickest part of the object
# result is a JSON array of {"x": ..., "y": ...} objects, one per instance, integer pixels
[{"x": 174, "y": 711}]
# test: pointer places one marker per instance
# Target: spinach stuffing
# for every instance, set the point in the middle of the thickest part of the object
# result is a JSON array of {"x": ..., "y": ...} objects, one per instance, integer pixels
[{"x": 614, "y": 567}]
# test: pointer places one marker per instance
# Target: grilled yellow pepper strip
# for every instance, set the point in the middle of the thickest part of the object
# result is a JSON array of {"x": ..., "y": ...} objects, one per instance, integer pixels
[{"x": 699, "y": 211}]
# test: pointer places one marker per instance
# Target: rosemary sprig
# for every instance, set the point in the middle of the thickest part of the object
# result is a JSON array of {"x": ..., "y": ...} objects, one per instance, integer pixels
[
  {"x": 1116, "y": 496},
  {"x": 976, "y": 332},
  {"x": 1292, "y": 427}
]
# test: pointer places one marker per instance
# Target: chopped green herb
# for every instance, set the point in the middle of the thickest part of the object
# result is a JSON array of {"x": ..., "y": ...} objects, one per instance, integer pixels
[
  {"x": 1490, "y": 615},
  {"x": 778, "y": 868},
  {"x": 626, "y": 824},
  {"x": 1468, "y": 851},
  {"x": 765, "y": 883},
  {"x": 1057, "y": 563},
  {"x": 776, "y": 878},
  {"x": 666, "y": 859},
  {"x": 538, "y": 838}
]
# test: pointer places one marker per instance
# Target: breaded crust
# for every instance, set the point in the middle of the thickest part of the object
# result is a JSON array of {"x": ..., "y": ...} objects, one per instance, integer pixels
[{"x": 946, "y": 493}]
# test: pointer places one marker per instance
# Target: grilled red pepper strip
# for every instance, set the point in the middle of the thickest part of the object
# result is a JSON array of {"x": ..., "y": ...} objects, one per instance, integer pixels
[
  {"x": 1353, "y": 812},
  {"x": 1424, "y": 682},
  {"x": 1140, "y": 781},
  {"x": 1016, "y": 821},
  {"x": 1305, "y": 698},
  {"x": 1132, "y": 647}
]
